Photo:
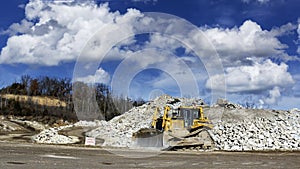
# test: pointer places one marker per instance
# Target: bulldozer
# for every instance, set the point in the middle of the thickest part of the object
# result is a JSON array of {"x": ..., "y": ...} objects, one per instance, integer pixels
[{"x": 178, "y": 128}]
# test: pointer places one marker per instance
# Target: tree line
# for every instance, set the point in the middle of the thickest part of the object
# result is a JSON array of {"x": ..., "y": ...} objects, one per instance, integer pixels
[
  {"x": 42, "y": 86},
  {"x": 103, "y": 103}
]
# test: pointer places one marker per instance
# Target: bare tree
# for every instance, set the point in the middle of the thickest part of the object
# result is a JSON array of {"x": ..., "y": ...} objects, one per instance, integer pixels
[
  {"x": 34, "y": 87},
  {"x": 25, "y": 80}
]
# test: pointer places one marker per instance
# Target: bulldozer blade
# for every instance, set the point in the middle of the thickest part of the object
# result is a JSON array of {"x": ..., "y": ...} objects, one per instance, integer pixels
[
  {"x": 148, "y": 138},
  {"x": 197, "y": 138}
]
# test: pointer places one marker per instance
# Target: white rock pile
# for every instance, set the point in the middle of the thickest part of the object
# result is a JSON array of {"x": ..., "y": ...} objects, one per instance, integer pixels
[
  {"x": 279, "y": 133},
  {"x": 51, "y": 136},
  {"x": 118, "y": 131}
]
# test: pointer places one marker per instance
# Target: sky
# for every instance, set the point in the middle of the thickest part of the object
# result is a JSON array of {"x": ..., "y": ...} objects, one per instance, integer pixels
[{"x": 247, "y": 51}]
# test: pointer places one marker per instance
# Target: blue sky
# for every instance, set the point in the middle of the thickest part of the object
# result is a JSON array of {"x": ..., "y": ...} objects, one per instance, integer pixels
[{"x": 256, "y": 43}]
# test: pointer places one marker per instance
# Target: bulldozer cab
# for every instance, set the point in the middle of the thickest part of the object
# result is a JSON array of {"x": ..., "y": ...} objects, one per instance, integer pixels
[
  {"x": 179, "y": 118},
  {"x": 186, "y": 114}
]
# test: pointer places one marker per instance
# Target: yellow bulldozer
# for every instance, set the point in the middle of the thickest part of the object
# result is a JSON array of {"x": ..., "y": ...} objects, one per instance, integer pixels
[{"x": 177, "y": 128}]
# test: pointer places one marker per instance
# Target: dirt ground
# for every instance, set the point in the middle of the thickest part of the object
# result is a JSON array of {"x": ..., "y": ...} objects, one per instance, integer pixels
[{"x": 16, "y": 155}]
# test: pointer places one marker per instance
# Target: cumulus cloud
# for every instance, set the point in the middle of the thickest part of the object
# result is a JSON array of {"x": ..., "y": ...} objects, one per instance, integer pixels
[
  {"x": 237, "y": 45},
  {"x": 253, "y": 78},
  {"x": 163, "y": 42},
  {"x": 274, "y": 94},
  {"x": 100, "y": 76},
  {"x": 19, "y": 28},
  {"x": 264, "y": 82},
  {"x": 284, "y": 29},
  {"x": 60, "y": 33}
]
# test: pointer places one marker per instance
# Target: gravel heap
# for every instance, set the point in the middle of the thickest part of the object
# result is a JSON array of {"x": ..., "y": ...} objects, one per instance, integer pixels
[
  {"x": 274, "y": 131},
  {"x": 51, "y": 136}
]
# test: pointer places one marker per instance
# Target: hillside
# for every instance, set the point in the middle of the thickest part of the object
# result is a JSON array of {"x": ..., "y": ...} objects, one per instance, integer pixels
[
  {"x": 57, "y": 96},
  {"x": 40, "y": 100}
]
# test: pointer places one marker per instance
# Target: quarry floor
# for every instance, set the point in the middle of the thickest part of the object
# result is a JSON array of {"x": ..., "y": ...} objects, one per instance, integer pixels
[{"x": 28, "y": 155}]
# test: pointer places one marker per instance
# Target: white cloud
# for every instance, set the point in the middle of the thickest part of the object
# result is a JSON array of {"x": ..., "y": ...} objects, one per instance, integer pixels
[
  {"x": 236, "y": 45},
  {"x": 265, "y": 82},
  {"x": 100, "y": 76},
  {"x": 22, "y": 6},
  {"x": 63, "y": 1},
  {"x": 255, "y": 78},
  {"x": 163, "y": 42},
  {"x": 60, "y": 33},
  {"x": 274, "y": 94},
  {"x": 284, "y": 29},
  {"x": 298, "y": 30},
  {"x": 21, "y": 28}
]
